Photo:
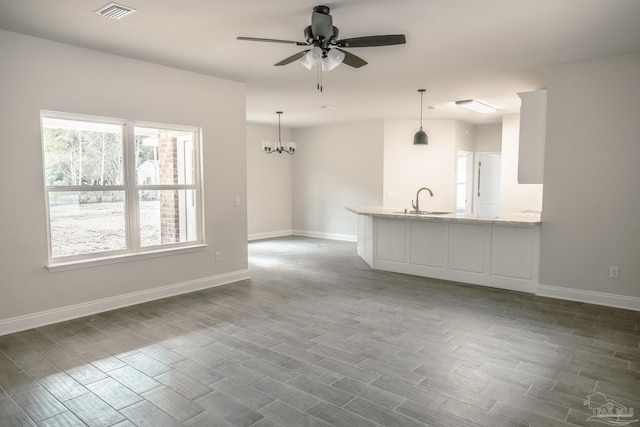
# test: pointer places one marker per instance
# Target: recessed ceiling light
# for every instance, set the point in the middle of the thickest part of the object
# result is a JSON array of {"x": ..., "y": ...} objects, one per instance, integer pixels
[
  {"x": 477, "y": 106},
  {"x": 328, "y": 107},
  {"x": 115, "y": 11}
]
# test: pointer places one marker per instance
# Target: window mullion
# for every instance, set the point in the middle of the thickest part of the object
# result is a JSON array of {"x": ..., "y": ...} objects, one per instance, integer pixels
[{"x": 131, "y": 194}]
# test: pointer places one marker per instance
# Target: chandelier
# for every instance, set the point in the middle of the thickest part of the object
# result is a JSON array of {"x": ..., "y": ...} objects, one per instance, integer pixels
[{"x": 288, "y": 147}]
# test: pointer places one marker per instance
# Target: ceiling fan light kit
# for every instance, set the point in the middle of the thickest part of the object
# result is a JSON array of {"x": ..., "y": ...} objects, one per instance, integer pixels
[
  {"x": 333, "y": 58},
  {"x": 311, "y": 58},
  {"x": 421, "y": 138}
]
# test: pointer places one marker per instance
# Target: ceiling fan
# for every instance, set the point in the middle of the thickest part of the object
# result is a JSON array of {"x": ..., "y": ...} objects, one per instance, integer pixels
[{"x": 326, "y": 49}]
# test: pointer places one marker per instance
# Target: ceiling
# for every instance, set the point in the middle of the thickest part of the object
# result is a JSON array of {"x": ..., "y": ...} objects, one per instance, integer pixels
[{"x": 456, "y": 49}]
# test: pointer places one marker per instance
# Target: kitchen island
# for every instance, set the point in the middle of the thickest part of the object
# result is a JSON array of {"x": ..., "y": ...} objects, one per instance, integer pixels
[{"x": 501, "y": 252}]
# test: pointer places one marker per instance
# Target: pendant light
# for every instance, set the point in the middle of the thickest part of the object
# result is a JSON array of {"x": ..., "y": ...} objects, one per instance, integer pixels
[{"x": 420, "y": 138}]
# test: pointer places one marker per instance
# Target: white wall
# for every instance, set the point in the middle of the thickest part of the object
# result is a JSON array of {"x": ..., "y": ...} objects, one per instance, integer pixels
[
  {"x": 515, "y": 197},
  {"x": 408, "y": 167},
  {"x": 591, "y": 216},
  {"x": 269, "y": 184},
  {"x": 336, "y": 166},
  {"x": 465, "y": 136},
  {"x": 38, "y": 74},
  {"x": 488, "y": 137}
]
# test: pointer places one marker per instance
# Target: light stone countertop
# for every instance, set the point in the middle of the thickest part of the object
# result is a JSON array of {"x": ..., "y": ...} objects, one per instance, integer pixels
[{"x": 513, "y": 219}]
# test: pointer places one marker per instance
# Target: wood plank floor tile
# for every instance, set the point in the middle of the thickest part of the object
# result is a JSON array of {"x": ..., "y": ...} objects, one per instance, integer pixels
[
  {"x": 94, "y": 411},
  {"x": 288, "y": 394},
  {"x": 38, "y": 403},
  {"x": 134, "y": 379},
  {"x": 248, "y": 396},
  {"x": 183, "y": 384},
  {"x": 326, "y": 341},
  {"x": 381, "y": 415},
  {"x": 114, "y": 393},
  {"x": 146, "y": 414},
  {"x": 338, "y": 417},
  {"x": 173, "y": 403},
  {"x": 65, "y": 419},
  {"x": 228, "y": 408},
  {"x": 286, "y": 415}
]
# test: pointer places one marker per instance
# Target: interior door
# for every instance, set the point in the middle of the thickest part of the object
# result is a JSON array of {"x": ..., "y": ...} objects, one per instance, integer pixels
[
  {"x": 487, "y": 172},
  {"x": 464, "y": 182}
]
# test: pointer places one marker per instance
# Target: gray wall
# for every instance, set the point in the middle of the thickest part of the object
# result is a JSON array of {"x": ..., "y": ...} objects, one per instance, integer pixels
[
  {"x": 38, "y": 74},
  {"x": 336, "y": 166},
  {"x": 488, "y": 137},
  {"x": 408, "y": 167},
  {"x": 591, "y": 207},
  {"x": 269, "y": 184}
]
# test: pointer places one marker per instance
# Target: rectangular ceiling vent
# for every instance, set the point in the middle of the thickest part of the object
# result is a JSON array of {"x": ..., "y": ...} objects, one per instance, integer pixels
[{"x": 115, "y": 11}]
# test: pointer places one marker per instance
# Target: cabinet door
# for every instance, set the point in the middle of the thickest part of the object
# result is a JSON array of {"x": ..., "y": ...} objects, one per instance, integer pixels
[
  {"x": 429, "y": 243},
  {"x": 468, "y": 247},
  {"x": 365, "y": 238},
  {"x": 392, "y": 240},
  {"x": 512, "y": 252}
]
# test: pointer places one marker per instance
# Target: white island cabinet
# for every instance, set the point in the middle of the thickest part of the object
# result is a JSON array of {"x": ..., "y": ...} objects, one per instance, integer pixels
[{"x": 490, "y": 251}]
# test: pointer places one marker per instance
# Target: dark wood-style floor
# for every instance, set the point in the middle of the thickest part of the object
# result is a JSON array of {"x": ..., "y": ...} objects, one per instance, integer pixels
[{"x": 316, "y": 338}]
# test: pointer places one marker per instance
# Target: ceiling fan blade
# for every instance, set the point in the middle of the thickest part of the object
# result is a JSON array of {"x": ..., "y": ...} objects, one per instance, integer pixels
[
  {"x": 370, "y": 41},
  {"x": 352, "y": 60},
  {"x": 258, "y": 39},
  {"x": 292, "y": 58}
]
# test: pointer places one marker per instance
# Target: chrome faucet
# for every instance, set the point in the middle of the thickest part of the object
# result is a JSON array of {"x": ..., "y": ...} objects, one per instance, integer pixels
[{"x": 416, "y": 206}]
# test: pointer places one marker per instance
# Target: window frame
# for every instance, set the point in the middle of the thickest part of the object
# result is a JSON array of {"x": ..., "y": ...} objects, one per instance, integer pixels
[{"x": 131, "y": 189}]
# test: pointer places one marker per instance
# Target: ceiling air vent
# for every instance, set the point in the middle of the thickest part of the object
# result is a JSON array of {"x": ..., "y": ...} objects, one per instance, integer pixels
[{"x": 115, "y": 11}]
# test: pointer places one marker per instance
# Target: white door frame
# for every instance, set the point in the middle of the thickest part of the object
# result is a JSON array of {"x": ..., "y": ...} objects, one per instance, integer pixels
[
  {"x": 469, "y": 181},
  {"x": 476, "y": 175}
]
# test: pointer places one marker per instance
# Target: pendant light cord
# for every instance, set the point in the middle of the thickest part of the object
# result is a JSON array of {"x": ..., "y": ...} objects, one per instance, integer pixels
[{"x": 421, "y": 94}]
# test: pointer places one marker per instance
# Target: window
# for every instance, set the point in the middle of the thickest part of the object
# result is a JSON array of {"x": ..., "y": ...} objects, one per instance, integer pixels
[{"x": 117, "y": 187}]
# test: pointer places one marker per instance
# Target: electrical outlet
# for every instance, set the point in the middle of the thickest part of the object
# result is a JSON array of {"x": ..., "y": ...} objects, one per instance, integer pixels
[
  {"x": 614, "y": 272},
  {"x": 218, "y": 256},
  {"x": 237, "y": 200}
]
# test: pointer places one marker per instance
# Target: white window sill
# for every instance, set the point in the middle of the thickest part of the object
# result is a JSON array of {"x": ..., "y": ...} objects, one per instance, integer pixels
[{"x": 70, "y": 265}]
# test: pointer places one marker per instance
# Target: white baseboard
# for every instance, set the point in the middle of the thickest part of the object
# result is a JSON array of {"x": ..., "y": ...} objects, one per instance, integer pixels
[
  {"x": 330, "y": 236},
  {"x": 269, "y": 234},
  {"x": 591, "y": 297},
  {"x": 21, "y": 323}
]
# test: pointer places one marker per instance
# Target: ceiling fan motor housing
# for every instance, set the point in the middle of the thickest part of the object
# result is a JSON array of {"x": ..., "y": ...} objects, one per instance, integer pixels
[
  {"x": 321, "y": 24},
  {"x": 321, "y": 9}
]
